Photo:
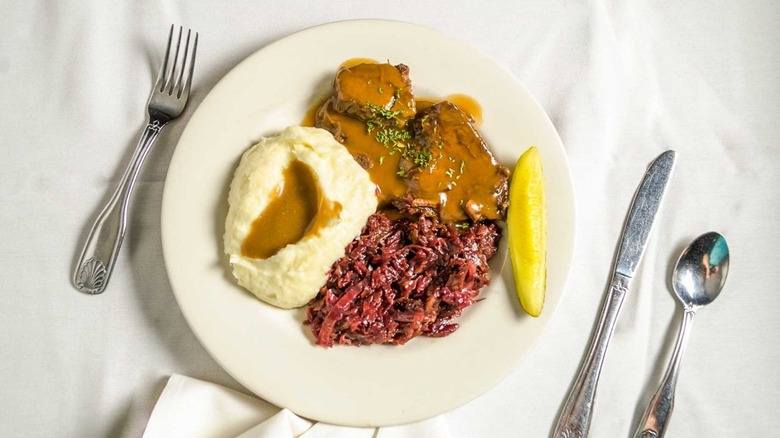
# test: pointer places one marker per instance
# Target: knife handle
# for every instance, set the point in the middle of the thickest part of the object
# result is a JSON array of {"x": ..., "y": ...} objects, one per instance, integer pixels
[{"x": 574, "y": 420}]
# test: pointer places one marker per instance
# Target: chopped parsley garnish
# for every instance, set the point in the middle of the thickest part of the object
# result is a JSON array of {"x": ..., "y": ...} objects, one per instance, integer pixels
[
  {"x": 382, "y": 113},
  {"x": 393, "y": 137},
  {"x": 385, "y": 126},
  {"x": 421, "y": 157}
]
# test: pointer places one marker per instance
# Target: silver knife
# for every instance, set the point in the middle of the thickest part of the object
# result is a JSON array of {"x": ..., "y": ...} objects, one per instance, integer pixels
[{"x": 574, "y": 420}]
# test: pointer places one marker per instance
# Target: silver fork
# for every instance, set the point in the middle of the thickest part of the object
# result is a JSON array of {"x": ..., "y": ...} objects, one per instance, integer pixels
[{"x": 166, "y": 102}]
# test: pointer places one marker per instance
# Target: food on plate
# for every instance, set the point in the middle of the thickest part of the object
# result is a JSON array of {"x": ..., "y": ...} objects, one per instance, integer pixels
[
  {"x": 423, "y": 257},
  {"x": 432, "y": 160},
  {"x": 297, "y": 199},
  {"x": 408, "y": 186},
  {"x": 527, "y": 224},
  {"x": 358, "y": 89},
  {"x": 400, "y": 279},
  {"x": 464, "y": 176}
]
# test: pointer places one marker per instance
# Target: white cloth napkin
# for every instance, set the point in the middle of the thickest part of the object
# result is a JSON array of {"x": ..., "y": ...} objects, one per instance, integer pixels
[{"x": 196, "y": 409}]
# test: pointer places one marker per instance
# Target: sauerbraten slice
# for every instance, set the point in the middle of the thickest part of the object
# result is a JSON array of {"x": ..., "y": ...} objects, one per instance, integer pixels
[
  {"x": 462, "y": 178},
  {"x": 362, "y": 89},
  {"x": 431, "y": 162}
]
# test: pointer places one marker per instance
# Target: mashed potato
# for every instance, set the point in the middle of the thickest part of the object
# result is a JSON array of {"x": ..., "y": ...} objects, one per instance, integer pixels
[{"x": 293, "y": 276}]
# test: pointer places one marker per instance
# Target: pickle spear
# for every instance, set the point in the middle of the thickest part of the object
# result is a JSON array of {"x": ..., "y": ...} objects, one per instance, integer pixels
[{"x": 527, "y": 224}]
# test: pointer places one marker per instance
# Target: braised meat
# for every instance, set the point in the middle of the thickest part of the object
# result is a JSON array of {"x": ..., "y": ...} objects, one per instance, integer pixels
[
  {"x": 462, "y": 168},
  {"x": 362, "y": 90},
  {"x": 372, "y": 154},
  {"x": 432, "y": 162},
  {"x": 326, "y": 118}
]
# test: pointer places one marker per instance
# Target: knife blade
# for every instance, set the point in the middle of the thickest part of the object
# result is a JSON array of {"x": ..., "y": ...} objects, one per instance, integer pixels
[
  {"x": 643, "y": 210},
  {"x": 575, "y": 416}
]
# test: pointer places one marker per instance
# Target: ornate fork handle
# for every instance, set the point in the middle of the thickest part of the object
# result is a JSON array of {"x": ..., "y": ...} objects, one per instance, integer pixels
[
  {"x": 98, "y": 257},
  {"x": 574, "y": 420}
]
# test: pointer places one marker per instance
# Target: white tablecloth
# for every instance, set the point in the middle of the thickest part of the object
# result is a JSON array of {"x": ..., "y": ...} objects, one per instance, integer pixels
[{"x": 622, "y": 81}]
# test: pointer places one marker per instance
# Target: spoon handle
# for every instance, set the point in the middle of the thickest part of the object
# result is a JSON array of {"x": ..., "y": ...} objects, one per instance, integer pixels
[{"x": 659, "y": 410}]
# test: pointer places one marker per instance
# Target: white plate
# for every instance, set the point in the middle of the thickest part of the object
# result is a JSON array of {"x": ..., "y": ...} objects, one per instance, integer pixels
[{"x": 267, "y": 349}]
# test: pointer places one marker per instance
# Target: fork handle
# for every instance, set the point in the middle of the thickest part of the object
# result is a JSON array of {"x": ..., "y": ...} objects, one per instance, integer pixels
[{"x": 94, "y": 267}]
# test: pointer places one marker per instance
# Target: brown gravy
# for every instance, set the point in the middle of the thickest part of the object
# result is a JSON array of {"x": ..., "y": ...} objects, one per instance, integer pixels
[
  {"x": 355, "y": 61},
  {"x": 468, "y": 105},
  {"x": 383, "y": 167},
  {"x": 462, "y": 180},
  {"x": 310, "y": 118},
  {"x": 298, "y": 210},
  {"x": 359, "y": 142},
  {"x": 462, "y": 176}
]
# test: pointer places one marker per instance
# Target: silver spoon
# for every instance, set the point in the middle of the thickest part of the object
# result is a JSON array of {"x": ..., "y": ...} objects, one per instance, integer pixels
[{"x": 697, "y": 280}]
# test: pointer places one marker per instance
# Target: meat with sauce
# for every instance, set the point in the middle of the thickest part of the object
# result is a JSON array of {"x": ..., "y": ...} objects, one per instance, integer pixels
[
  {"x": 432, "y": 163},
  {"x": 463, "y": 177},
  {"x": 361, "y": 90}
]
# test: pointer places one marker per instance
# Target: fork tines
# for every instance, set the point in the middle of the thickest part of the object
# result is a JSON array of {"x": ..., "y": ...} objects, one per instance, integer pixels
[{"x": 167, "y": 80}]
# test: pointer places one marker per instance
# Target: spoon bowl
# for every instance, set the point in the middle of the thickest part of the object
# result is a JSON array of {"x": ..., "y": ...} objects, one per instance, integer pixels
[{"x": 701, "y": 271}]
